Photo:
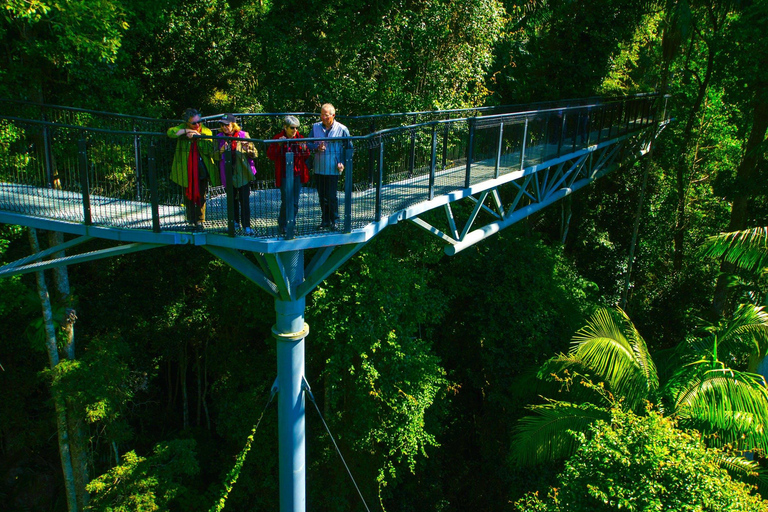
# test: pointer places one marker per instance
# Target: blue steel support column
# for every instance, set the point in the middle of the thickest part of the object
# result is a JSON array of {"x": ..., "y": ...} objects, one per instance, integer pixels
[
  {"x": 288, "y": 183},
  {"x": 290, "y": 331}
]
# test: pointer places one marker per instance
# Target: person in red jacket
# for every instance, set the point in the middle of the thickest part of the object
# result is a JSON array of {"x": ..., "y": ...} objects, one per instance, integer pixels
[{"x": 276, "y": 152}]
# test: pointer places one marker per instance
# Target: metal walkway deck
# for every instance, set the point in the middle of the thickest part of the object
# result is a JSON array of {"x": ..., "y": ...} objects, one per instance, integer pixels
[{"x": 114, "y": 183}]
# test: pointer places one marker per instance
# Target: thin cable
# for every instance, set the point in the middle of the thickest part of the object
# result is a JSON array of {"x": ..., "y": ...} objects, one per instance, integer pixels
[
  {"x": 234, "y": 473},
  {"x": 312, "y": 399}
]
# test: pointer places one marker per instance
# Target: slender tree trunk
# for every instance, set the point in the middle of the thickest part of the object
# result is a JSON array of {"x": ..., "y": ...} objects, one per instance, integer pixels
[
  {"x": 78, "y": 442},
  {"x": 199, "y": 410},
  {"x": 183, "y": 379},
  {"x": 205, "y": 387},
  {"x": 681, "y": 167},
  {"x": 58, "y": 400},
  {"x": 646, "y": 171},
  {"x": 745, "y": 175}
]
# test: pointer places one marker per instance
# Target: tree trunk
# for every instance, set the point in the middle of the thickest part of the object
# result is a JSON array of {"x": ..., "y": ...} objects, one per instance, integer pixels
[
  {"x": 78, "y": 439},
  {"x": 183, "y": 379},
  {"x": 205, "y": 387},
  {"x": 58, "y": 401},
  {"x": 199, "y": 411},
  {"x": 682, "y": 164},
  {"x": 740, "y": 207}
]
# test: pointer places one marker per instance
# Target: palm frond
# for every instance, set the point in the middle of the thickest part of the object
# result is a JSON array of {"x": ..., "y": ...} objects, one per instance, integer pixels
[
  {"x": 747, "y": 249},
  {"x": 611, "y": 347},
  {"x": 730, "y": 404},
  {"x": 547, "y": 435},
  {"x": 741, "y": 468},
  {"x": 747, "y": 328}
]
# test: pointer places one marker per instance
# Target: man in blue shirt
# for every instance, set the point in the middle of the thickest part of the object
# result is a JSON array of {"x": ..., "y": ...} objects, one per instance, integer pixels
[{"x": 329, "y": 163}]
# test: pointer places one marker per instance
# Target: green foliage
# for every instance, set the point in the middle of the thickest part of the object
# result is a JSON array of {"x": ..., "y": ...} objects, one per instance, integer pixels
[
  {"x": 380, "y": 375},
  {"x": 147, "y": 484},
  {"x": 644, "y": 463},
  {"x": 51, "y": 40},
  {"x": 102, "y": 386},
  {"x": 727, "y": 405}
]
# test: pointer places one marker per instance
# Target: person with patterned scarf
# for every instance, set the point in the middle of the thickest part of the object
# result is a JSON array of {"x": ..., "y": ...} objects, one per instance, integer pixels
[{"x": 193, "y": 165}]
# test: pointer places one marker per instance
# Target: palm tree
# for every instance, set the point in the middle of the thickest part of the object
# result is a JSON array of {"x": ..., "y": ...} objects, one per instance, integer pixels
[
  {"x": 609, "y": 366},
  {"x": 747, "y": 249}
]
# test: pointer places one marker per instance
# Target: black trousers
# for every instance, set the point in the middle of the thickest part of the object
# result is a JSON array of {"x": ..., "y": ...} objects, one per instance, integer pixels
[
  {"x": 243, "y": 205},
  {"x": 327, "y": 186}
]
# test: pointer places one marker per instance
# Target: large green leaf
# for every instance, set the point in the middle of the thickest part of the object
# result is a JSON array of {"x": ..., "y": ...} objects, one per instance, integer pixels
[
  {"x": 728, "y": 405},
  {"x": 747, "y": 249},
  {"x": 611, "y": 347},
  {"x": 547, "y": 434}
]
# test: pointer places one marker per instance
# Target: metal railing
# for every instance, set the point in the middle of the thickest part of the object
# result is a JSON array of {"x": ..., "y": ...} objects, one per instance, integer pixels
[{"x": 52, "y": 166}]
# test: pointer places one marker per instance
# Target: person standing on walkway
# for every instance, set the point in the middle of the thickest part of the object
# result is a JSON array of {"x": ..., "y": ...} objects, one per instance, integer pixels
[
  {"x": 276, "y": 153},
  {"x": 242, "y": 155},
  {"x": 329, "y": 163},
  {"x": 193, "y": 167}
]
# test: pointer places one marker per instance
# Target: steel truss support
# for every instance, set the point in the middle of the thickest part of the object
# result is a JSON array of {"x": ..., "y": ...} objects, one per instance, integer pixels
[
  {"x": 285, "y": 278},
  {"x": 537, "y": 188},
  {"x": 33, "y": 262}
]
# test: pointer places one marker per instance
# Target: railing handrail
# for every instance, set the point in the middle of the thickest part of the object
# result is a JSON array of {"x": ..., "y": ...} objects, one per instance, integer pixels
[
  {"x": 378, "y": 133},
  {"x": 566, "y": 102}
]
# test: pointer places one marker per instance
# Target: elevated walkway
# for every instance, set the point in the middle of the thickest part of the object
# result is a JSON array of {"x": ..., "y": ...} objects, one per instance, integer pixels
[{"x": 89, "y": 180}]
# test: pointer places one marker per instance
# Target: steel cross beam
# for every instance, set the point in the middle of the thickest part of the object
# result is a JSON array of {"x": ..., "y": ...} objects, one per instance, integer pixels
[{"x": 537, "y": 187}]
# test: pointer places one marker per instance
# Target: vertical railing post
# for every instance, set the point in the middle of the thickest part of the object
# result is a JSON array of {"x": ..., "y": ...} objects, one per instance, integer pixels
[
  {"x": 152, "y": 164},
  {"x": 288, "y": 183},
  {"x": 628, "y": 104},
  {"x": 499, "y": 146},
  {"x": 561, "y": 139},
  {"x": 229, "y": 187},
  {"x": 372, "y": 158},
  {"x": 470, "y": 152},
  {"x": 347, "y": 154},
  {"x": 602, "y": 123},
  {"x": 433, "y": 164},
  {"x": 82, "y": 154},
  {"x": 137, "y": 159},
  {"x": 379, "y": 180},
  {"x": 587, "y": 127},
  {"x": 576, "y": 133},
  {"x": 522, "y": 149},
  {"x": 610, "y": 122},
  {"x": 412, "y": 154},
  {"x": 445, "y": 145},
  {"x": 47, "y": 153}
]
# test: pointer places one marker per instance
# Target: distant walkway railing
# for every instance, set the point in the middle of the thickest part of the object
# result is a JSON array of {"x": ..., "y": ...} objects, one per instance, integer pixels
[{"x": 113, "y": 170}]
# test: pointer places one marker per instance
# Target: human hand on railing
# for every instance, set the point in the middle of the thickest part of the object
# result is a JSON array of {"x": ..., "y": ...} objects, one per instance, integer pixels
[
  {"x": 321, "y": 146},
  {"x": 340, "y": 167}
]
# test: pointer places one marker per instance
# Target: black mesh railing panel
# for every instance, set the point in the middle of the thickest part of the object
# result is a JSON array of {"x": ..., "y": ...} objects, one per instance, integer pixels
[{"x": 116, "y": 172}]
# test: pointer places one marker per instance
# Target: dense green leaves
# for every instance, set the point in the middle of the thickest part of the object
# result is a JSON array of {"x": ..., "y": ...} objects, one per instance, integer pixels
[{"x": 644, "y": 463}]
